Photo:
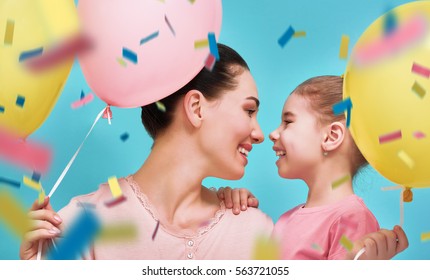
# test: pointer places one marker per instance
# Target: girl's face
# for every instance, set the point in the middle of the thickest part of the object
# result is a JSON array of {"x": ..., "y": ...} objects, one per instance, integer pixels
[
  {"x": 232, "y": 128},
  {"x": 297, "y": 140}
]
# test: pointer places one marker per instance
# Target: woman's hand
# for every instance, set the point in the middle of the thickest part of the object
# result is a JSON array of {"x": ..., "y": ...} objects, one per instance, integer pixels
[
  {"x": 238, "y": 199},
  {"x": 45, "y": 224}
]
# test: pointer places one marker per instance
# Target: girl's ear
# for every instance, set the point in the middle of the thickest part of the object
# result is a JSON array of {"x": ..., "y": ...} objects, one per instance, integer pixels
[
  {"x": 335, "y": 136},
  {"x": 192, "y": 102}
]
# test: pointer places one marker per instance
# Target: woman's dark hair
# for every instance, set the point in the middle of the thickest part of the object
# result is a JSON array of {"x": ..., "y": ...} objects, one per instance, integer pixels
[{"x": 210, "y": 83}]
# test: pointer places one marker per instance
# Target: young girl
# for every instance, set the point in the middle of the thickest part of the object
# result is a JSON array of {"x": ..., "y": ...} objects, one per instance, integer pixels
[{"x": 315, "y": 145}]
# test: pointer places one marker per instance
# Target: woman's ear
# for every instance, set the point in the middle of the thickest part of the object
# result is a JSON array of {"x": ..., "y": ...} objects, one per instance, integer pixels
[
  {"x": 192, "y": 102},
  {"x": 334, "y": 137}
]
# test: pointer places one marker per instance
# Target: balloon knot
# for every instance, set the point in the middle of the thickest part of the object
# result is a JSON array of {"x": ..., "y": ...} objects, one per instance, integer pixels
[{"x": 407, "y": 194}]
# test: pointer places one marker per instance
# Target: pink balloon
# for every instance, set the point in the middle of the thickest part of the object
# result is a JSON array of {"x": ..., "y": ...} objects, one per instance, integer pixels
[{"x": 144, "y": 50}]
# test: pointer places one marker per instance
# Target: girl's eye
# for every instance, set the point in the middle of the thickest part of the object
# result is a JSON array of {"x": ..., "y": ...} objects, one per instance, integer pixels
[
  {"x": 250, "y": 112},
  {"x": 287, "y": 122}
]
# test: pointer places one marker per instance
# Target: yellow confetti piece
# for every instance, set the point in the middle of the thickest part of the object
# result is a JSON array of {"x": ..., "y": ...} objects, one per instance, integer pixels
[
  {"x": 340, "y": 181},
  {"x": 121, "y": 61},
  {"x": 114, "y": 187},
  {"x": 425, "y": 236},
  {"x": 119, "y": 232},
  {"x": 346, "y": 243},
  {"x": 201, "y": 44},
  {"x": 41, "y": 196},
  {"x": 32, "y": 184},
  {"x": 8, "y": 35},
  {"x": 419, "y": 90},
  {"x": 160, "y": 106},
  {"x": 299, "y": 34},
  {"x": 266, "y": 248},
  {"x": 406, "y": 159},
  {"x": 343, "y": 52},
  {"x": 13, "y": 214}
]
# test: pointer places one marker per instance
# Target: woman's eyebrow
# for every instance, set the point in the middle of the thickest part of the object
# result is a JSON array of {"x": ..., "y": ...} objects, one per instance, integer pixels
[{"x": 255, "y": 99}]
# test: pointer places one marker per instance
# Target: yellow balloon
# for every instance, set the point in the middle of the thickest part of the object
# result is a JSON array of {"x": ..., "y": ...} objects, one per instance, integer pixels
[
  {"x": 27, "y": 97},
  {"x": 387, "y": 80}
]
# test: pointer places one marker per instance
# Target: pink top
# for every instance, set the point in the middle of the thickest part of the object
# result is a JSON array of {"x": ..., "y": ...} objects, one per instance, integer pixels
[
  {"x": 225, "y": 236},
  {"x": 315, "y": 233}
]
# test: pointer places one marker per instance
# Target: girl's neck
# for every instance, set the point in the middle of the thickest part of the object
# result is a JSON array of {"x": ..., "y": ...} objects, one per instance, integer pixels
[{"x": 172, "y": 178}]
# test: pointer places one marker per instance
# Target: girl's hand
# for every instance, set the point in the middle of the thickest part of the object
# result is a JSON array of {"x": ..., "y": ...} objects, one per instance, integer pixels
[
  {"x": 381, "y": 245},
  {"x": 44, "y": 225},
  {"x": 238, "y": 199}
]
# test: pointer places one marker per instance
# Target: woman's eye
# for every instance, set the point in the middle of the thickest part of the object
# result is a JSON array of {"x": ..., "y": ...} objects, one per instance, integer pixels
[{"x": 250, "y": 112}]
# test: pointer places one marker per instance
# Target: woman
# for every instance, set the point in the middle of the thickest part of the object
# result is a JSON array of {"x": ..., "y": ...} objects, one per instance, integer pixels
[{"x": 207, "y": 130}]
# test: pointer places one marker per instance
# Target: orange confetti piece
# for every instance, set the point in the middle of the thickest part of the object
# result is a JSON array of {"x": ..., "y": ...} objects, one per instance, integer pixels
[
  {"x": 425, "y": 236},
  {"x": 343, "y": 52}
]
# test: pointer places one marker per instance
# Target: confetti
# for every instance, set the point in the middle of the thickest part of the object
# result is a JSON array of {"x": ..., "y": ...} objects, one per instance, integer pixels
[
  {"x": 77, "y": 238},
  {"x": 390, "y": 137},
  {"x": 32, "y": 184},
  {"x": 201, "y": 44},
  {"x": 114, "y": 187},
  {"x": 10, "y": 182},
  {"x": 420, "y": 70},
  {"x": 124, "y": 136},
  {"x": 29, "y": 54},
  {"x": 129, "y": 55},
  {"x": 419, "y": 90},
  {"x": 124, "y": 231},
  {"x": 406, "y": 159},
  {"x": 29, "y": 154},
  {"x": 419, "y": 135},
  {"x": 20, "y": 100},
  {"x": 283, "y": 40},
  {"x": 266, "y": 248},
  {"x": 41, "y": 196},
  {"x": 390, "y": 23},
  {"x": 404, "y": 36},
  {"x": 149, "y": 38},
  {"x": 344, "y": 43},
  {"x": 340, "y": 181},
  {"x": 13, "y": 213},
  {"x": 316, "y": 247},
  {"x": 169, "y": 25},
  {"x": 59, "y": 53},
  {"x": 192, "y": 1},
  {"x": 346, "y": 243},
  {"x": 342, "y": 106},
  {"x": 121, "y": 61},
  {"x": 425, "y": 236},
  {"x": 81, "y": 102},
  {"x": 115, "y": 201},
  {"x": 156, "y": 230},
  {"x": 82, "y": 95},
  {"x": 210, "y": 62},
  {"x": 213, "y": 45},
  {"x": 299, "y": 34},
  {"x": 160, "y": 106},
  {"x": 86, "y": 205},
  {"x": 1, "y": 109},
  {"x": 8, "y": 34}
]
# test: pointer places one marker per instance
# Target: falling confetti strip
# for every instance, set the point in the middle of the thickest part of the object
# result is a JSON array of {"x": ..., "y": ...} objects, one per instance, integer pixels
[
  {"x": 115, "y": 189},
  {"x": 8, "y": 35},
  {"x": 340, "y": 181},
  {"x": 29, "y": 54},
  {"x": 149, "y": 38},
  {"x": 210, "y": 62},
  {"x": 160, "y": 106},
  {"x": 121, "y": 61},
  {"x": 343, "y": 106},
  {"x": 420, "y": 70},
  {"x": 406, "y": 159},
  {"x": 425, "y": 236},
  {"x": 390, "y": 137},
  {"x": 346, "y": 243},
  {"x": 32, "y": 184},
  {"x": 419, "y": 90},
  {"x": 419, "y": 135},
  {"x": 124, "y": 136},
  {"x": 390, "y": 23},
  {"x": 344, "y": 44},
  {"x": 13, "y": 213},
  {"x": 129, "y": 55},
  {"x": 283, "y": 40},
  {"x": 156, "y": 230},
  {"x": 81, "y": 102},
  {"x": 266, "y": 248},
  {"x": 201, "y": 44},
  {"x": 20, "y": 101},
  {"x": 299, "y": 34},
  {"x": 9, "y": 182},
  {"x": 213, "y": 45},
  {"x": 169, "y": 25},
  {"x": 2, "y": 109},
  {"x": 117, "y": 232},
  {"x": 316, "y": 247}
]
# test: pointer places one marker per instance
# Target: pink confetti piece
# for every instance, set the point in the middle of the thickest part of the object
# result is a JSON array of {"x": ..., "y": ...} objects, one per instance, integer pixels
[
  {"x": 81, "y": 102},
  {"x": 156, "y": 230},
  {"x": 400, "y": 38},
  {"x": 419, "y": 135},
  {"x": 115, "y": 201},
  {"x": 390, "y": 137},
  {"x": 210, "y": 62},
  {"x": 30, "y": 154},
  {"x": 420, "y": 70}
]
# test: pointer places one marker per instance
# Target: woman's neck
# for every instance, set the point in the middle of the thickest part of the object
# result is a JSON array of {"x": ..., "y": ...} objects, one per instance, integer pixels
[{"x": 171, "y": 178}]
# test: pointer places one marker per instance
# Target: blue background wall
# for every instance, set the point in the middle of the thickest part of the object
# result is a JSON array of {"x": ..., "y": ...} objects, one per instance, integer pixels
[{"x": 251, "y": 27}]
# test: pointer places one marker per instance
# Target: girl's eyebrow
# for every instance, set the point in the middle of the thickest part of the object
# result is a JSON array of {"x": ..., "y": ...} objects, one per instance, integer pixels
[
  {"x": 255, "y": 99},
  {"x": 288, "y": 114}
]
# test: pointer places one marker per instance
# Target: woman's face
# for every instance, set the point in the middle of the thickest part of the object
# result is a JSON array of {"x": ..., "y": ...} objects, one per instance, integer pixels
[
  {"x": 231, "y": 128},
  {"x": 297, "y": 141}
]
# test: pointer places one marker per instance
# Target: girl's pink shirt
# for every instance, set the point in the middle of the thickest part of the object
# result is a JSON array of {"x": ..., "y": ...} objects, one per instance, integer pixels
[
  {"x": 321, "y": 233},
  {"x": 225, "y": 236}
]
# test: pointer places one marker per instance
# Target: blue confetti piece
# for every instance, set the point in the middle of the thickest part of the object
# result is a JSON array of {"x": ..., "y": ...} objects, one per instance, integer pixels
[
  {"x": 149, "y": 38},
  {"x": 286, "y": 36},
  {"x": 342, "y": 106},
  {"x": 124, "y": 136},
  {"x": 36, "y": 177},
  {"x": 213, "y": 47},
  {"x": 28, "y": 54},
  {"x": 348, "y": 118},
  {"x": 20, "y": 100},
  {"x": 10, "y": 182},
  {"x": 1, "y": 109},
  {"x": 129, "y": 55},
  {"x": 82, "y": 94},
  {"x": 390, "y": 23},
  {"x": 78, "y": 237}
]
